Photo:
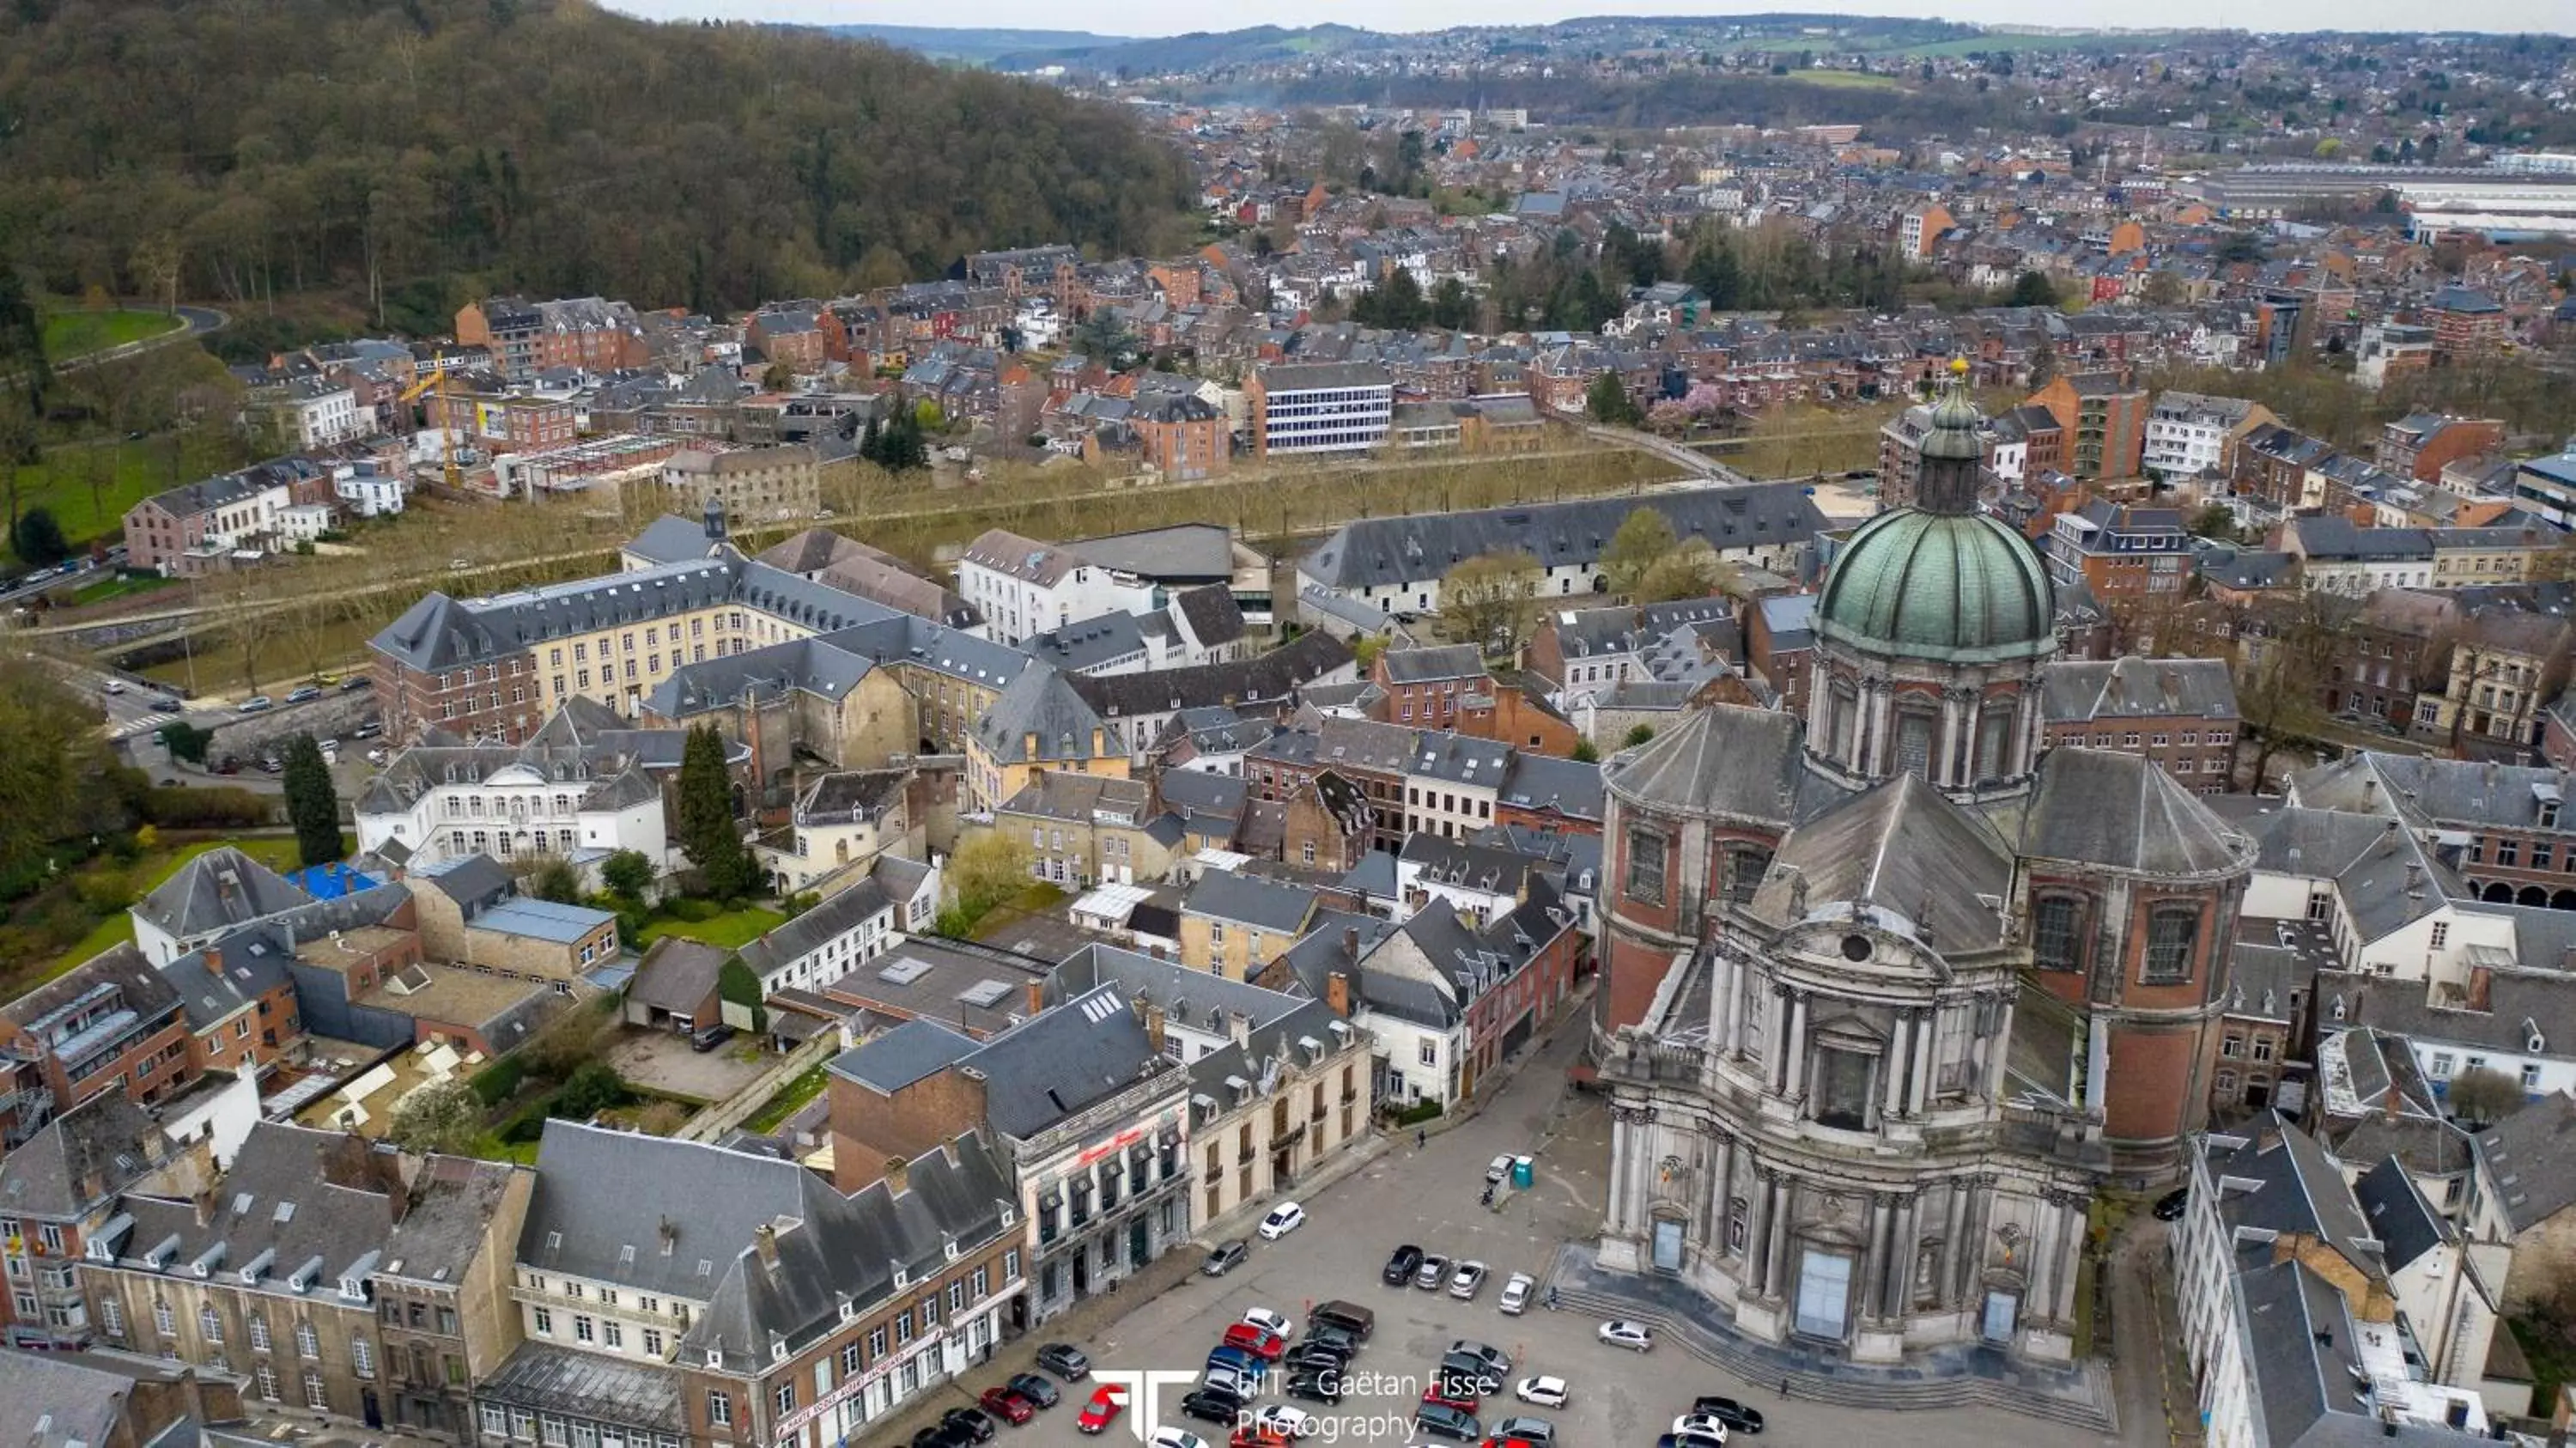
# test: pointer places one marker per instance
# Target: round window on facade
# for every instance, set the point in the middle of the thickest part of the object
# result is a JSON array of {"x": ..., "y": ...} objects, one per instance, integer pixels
[{"x": 1856, "y": 947}]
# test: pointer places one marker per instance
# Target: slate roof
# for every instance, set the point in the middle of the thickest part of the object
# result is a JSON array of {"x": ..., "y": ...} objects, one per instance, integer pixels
[
  {"x": 676, "y": 974},
  {"x": 80, "y": 1400},
  {"x": 1089, "y": 643},
  {"x": 1181, "y": 551},
  {"x": 2131, "y": 687},
  {"x": 106, "y": 1140},
  {"x": 917, "y": 1048},
  {"x": 805, "y": 666},
  {"x": 1433, "y": 665},
  {"x": 1212, "y": 614},
  {"x": 1048, "y": 1068},
  {"x": 2530, "y": 1157},
  {"x": 1724, "y": 760},
  {"x": 122, "y": 965},
  {"x": 1041, "y": 702},
  {"x": 671, "y": 539},
  {"x": 1251, "y": 901},
  {"x": 2281, "y": 1180},
  {"x": 2405, "y": 1224},
  {"x": 1903, "y": 849},
  {"x": 837, "y": 915},
  {"x": 2124, "y": 812},
  {"x": 592, "y": 1386},
  {"x": 294, "y": 1200},
  {"x": 221, "y": 888},
  {"x": 1379, "y": 552},
  {"x": 1271, "y": 678},
  {"x": 654, "y": 1214}
]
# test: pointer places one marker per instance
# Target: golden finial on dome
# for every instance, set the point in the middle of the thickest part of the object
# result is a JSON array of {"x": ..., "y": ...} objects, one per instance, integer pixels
[{"x": 1958, "y": 366}]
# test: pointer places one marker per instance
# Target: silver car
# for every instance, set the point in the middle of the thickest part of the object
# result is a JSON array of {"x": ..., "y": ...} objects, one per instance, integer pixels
[
  {"x": 1465, "y": 1279},
  {"x": 1516, "y": 1294}
]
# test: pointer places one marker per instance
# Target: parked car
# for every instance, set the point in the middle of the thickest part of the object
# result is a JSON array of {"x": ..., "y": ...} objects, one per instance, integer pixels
[
  {"x": 1035, "y": 1388},
  {"x": 1253, "y": 1435},
  {"x": 1516, "y": 1294},
  {"x": 303, "y": 692},
  {"x": 1737, "y": 1417},
  {"x": 1176, "y": 1438},
  {"x": 1447, "y": 1395},
  {"x": 167, "y": 705},
  {"x": 1227, "y": 1257},
  {"x": 1493, "y": 1358},
  {"x": 707, "y": 1038},
  {"x": 353, "y": 685},
  {"x": 1209, "y": 1407},
  {"x": 1261, "y": 1342},
  {"x": 1006, "y": 1404},
  {"x": 1269, "y": 1321},
  {"x": 1326, "y": 1335},
  {"x": 1234, "y": 1383},
  {"x": 1065, "y": 1361},
  {"x": 1439, "y": 1420},
  {"x": 255, "y": 704},
  {"x": 1285, "y": 1421},
  {"x": 1465, "y": 1279},
  {"x": 1433, "y": 1274},
  {"x": 1348, "y": 1317},
  {"x": 116, "y": 686},
  {"x": 1235, "y": 1360},
  {"x": 1546, "y": 1392},
  {"x": 971, "y": 1422},
  {"x": 2170, "y": 1206},
  {"x": 375, "y": 756},
  {"x": 1630, "y": 1335},
  {"x": 1103, "y": 1409},
  {"x": 1315, "y": 1357},
  {"x": 1537, "y": 1432},
  {"x": 1699, "y": 1425},
  {"x": 1401, "y": 1267},
  {"x": 942, "y": 1434},
  {"x": 1283, "y": 1219},
  {"x": 1497, "y": 1169},
  {"x": 368, "y": 729},
  {"x": 1687, "y": 1440},
  {"x": 1322, "y": 1386},
  {"x": 1468, "y": 1375}
]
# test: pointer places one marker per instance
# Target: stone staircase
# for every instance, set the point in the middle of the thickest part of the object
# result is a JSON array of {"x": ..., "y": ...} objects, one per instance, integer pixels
[{"x": 2079, "y": 1397}]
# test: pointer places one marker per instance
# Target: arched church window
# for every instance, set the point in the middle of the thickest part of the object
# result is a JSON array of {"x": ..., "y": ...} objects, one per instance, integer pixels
[
  {"x": 2171, "y": 932},
  {"x": 1745, "y": 867},
  {"x": 1844, "y": 710}
]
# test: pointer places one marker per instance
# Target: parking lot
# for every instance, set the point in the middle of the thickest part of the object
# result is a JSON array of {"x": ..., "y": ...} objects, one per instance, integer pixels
[{"x": 1429, "y": 1197}]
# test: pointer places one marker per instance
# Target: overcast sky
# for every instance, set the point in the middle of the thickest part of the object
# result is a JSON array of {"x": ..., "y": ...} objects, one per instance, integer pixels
[{"x": 1172, "y": 17}]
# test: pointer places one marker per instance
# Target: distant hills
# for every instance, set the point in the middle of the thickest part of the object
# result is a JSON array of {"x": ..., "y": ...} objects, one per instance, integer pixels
[
  {"x": 414, "y": 152},
  {"x": 978, "y": 47}
]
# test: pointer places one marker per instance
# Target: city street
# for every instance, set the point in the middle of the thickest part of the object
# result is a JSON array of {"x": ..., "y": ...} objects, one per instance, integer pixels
[{"x": 1429, "y": 1197}]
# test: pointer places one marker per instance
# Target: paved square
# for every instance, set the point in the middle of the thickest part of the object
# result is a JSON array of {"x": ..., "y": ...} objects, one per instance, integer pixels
[{"x": 1429, "y": 1197}]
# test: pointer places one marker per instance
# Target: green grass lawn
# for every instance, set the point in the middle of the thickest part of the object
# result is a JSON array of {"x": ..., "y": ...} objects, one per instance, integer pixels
[
  {"x": 791, "y": 1098},
  {"x": 61, "y": 483},
  {"x": 107, "y": 588},
  {"x": 71, "y": 334},
  {"x": 733, "y": 930}
]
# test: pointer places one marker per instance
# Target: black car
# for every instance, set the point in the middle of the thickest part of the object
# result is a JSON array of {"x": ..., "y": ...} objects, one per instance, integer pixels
[
  {"x": 1315, "y": 1357},
  {"x": 1401, "y": 1267},
  {"x": 1227, "y": 1257},
  {"x": 1469, "y": 1375},
  {"x": 1438, "y": 1420},
  {"x": 1316, "y": 1387},
  {"x": 1065, "y": 1361},
  {"x": 1737, "y": 1417},
  {"x": 943, "y": 1434},
  {"x": 2169, "y": 1207},
  {"x": 1334, "y": 1338},
  {"x": 972, "y": 1422},
  {"x": 1210, "y": 1407},
  {"x": 1034, "y": 1388}
]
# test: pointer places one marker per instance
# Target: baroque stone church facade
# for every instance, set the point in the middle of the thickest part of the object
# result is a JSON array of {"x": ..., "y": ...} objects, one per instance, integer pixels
[{"x": 1888, "y": 998}]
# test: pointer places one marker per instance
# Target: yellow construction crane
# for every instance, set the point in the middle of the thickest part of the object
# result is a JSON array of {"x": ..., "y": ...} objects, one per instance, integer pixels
[{"x": 436, "y": 381}]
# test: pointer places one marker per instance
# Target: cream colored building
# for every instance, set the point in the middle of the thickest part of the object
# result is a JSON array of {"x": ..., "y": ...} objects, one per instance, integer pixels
[{"x": 755, "y": 485}]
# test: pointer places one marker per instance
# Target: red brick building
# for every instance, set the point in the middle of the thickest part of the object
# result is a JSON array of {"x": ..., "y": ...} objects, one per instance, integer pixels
[
  {"x": 2104, "y": 420},
  {"x": 110, "y": 1023},
  {"x": 1423, "y": 685}
]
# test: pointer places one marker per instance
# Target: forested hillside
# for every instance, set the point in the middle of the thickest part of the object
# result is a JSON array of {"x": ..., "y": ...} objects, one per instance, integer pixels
[{"x": 412, "y": 152}]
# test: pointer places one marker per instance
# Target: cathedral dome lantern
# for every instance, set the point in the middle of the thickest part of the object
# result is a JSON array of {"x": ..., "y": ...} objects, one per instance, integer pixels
[{"x": 1931, "y": 626}]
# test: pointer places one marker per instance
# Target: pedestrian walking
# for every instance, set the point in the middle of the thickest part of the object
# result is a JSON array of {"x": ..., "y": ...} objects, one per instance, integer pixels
[
  {"x": 1420, "y": 1136},
  {"x": 1784, "y": 1387}
]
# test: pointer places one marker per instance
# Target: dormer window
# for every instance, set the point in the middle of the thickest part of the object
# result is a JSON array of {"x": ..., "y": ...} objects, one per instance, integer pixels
[{"x": 715, "y": 1357}]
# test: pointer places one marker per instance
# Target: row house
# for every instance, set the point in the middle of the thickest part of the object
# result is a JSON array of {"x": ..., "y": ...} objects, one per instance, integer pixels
[
  {"x": 740, "y": 1299},
  {"x": 60, "y": 1187},
  {"x": 2178, "y": 714},
  {"x": 2421, "y": 444},
  {"x": 200, "y": 527},
  {"x": 1280, "y": 1077},
  {"x": 523, "y": 338},
  {"x": 272, "y": 1275},
  {"x": 1090, "y": 1113},
  {"x": 109, "y": 1024}
]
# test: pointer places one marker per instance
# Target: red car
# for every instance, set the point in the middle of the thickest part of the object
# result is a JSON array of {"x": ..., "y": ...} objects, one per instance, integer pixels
[
  {"x": 1254, "y": 1437},
  {"x": 1258, "y": 1341},
  {"x": 1107, "y": 1401},
  {"x": 1007, "y": 1405},
  {"x": 1448, "y": 1398}
]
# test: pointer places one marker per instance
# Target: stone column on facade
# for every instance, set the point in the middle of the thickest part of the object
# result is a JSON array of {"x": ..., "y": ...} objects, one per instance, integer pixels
[
  {"x": 1980, "y": 1192},
  {"x": 1909, "y": 1247},
  {"x": 2042, "y": 1298},
  {"x": 1873, "y": 718},
  {"x": 1873, "y": 1264},
  {"x": 2070, "y": 1251},
  {"x": 1775, "y": 1252},
  {"x": 1891, "y": 1067},
  {"x": 1757, "y": 1233},
  {"x": 1722, "y": 1008},
  {"x": 1927, "y": 1023},
  {"x": 1999, "y": 1049},
  {"x": 1746, "y": 982},
  {"x": 1945, "y": 1288},
  {"x": 1795, "y": 1057},
  {"x": 1721, "y": 1193},
  {"x": 1616, "y": 1212}
]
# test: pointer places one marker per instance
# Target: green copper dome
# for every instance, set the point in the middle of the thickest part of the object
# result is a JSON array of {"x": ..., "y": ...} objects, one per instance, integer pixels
[{"x": 1959, "y": 587}]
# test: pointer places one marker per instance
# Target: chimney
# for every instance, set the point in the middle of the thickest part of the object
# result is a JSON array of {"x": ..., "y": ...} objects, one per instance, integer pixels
[
  {"x": 1351, "y": 943},
  {"x": 764, "y": 1240},
  {"x": 2414, "y": 877},
  {"x": 1099, "y": 742},
  {"x": 1029, "y": 744},
  {"x": 1154, "y": 1029},
  {"x": 1337, "y": 992},
  {"x": 1037, "y": 996},
  {"x": 2481, "y": 984},
  {"x": 205, "y": 1203},
  {"x": 1238, "y": 1024},
  {"x": 215, "y": 961},
  {"x": 898, "y": 1175}
]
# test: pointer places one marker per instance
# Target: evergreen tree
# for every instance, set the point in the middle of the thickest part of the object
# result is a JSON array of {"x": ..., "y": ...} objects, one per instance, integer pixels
[
  {"x": 1608, "y": 402},
  {"x": 1718, "y": 275},
  {"x": 709, "y": 833},
  {"x": 1451, "y": 307},
  {"x": 872, "y": 444},
  {"x": 39, "y": 539},
  {"x": 312, "y": 805}
]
